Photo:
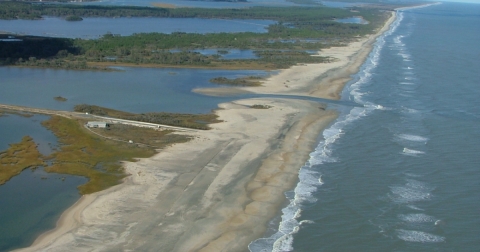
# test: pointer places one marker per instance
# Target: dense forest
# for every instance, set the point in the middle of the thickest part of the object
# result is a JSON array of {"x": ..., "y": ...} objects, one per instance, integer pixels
[{"x": 296, "y": 30}]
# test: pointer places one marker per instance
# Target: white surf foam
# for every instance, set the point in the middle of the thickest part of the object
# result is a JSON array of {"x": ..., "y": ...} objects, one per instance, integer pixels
[
  {"x": 410, "y": 110},
  {"x": 418, "y": 236},
  {"x": 416, "y": 218},
  {"x": 412, "y": 191},
  {"x": 413, "y": 175},
  {"x": 411, "y": 152},
  {"x": 415, "y": 208},
  {"x": 407, "y": 195},
  {"x": 309, "y": 179},
  {"x": 414, "y": 138}
]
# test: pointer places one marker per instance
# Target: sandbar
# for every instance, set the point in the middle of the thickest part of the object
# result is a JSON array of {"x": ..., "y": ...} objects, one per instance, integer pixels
[{"x": 219, "y": 191}]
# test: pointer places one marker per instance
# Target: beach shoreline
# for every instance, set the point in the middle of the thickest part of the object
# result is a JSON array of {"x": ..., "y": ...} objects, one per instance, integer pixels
[{"x": 221, "y": 189}]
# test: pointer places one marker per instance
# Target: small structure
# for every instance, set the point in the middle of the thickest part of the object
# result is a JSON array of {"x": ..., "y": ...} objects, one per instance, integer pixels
[{"x": 98, "y": 125}]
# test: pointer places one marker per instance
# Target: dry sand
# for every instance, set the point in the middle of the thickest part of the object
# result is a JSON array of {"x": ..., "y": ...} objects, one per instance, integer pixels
[{"x": 218, "y": 191}]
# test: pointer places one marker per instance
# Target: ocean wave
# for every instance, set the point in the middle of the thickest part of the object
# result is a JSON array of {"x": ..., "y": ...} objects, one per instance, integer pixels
[
  {"x": 413, "y": 175},
  {"x": 309, "y": 179},
  {"x": 411, "y": 152},
  {"x": 415, "y": 208},
  {"x": 414, "y": 138},
  {"x": 412, "y": 191},
  {"x": 418, "y": 236},
  {"x": 416, "y": 218},
  {"x": 410, "y": 110}
]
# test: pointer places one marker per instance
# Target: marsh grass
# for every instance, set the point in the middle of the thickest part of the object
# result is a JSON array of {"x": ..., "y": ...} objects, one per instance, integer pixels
[
  {"x": 60, "y": 98},
  {"x": 84, "y": 154},
  {"x": 18, "y": 157},
  {"x": 143, "y": 137},
  {"x": 6, "y": 112},
  {"x": 249, "y": 81},
  {"x": 260, "y": 106},
  {"x": 194, "y": 121}
]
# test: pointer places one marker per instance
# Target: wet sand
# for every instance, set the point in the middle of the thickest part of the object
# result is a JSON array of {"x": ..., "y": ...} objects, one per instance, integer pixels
[{"x": 218, "y": 191}]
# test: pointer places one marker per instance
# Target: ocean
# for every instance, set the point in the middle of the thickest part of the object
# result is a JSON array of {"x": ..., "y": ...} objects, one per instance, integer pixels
[{"x": 400, "y": 172}]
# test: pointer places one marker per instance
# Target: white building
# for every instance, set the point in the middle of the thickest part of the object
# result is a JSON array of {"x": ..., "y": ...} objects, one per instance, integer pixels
[{"x": 97, "y": 125}]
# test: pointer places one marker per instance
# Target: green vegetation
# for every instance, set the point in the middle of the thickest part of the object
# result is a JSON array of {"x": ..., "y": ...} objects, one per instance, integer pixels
[
  {"x": 60, "y": 98},
  {"x": 35, "y": 51},
  {"x": 85, "y": 154},
  {"x": 260, "y": 106},
  {"x": 18, "y": 157},
  {"x": 142, "y": 137},
  {"x": 194, "y": 121},
  {"x": 250, "y": 81},
  {"x": 73, "y": 18},
  {"x": 296, "y": 29}
]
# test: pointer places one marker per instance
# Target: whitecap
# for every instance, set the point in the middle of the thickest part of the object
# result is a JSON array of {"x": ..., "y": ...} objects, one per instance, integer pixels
[
  {"x": 410, "y": 110},
  {"x": 403, "y": 194},
  {"x": 374, "y": 106},
  {"x": 320, "y": 181},
  {"x": 418, "y": 236},
  {"x": 416, "y": 218},
  {"x": 411, "y": 152},
  {"x": 310, "y": 180},
  {"x": 415, "y": 208},
  {"x": 414, "y": 138},
  {"x": 413, "y": 175},
  {"x": 415, "y": 184}
]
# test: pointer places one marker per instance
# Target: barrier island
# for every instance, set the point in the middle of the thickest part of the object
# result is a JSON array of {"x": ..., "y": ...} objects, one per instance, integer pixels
[{"x": 219, "y": 191}]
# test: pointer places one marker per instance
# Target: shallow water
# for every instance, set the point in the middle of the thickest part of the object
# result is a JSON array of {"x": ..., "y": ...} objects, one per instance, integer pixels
[
  {"x": 200, "y": 4},
  {"x": 31, "y": 202},
  {"x": 352, "y": 20},
  {"x": 133, "y": 90},
  {"x": 93, "y": 28}
]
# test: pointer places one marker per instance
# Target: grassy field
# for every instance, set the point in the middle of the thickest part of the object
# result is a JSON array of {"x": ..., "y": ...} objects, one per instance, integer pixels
[
  {"x": 18, "y": 157},
  {"x": 97, "y": 156},
  {"x": 194, "y": 121}
]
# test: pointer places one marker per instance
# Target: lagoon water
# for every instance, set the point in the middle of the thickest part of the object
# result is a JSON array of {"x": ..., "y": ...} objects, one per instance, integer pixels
[
  {"x": 31, "y": 202},
  {"x": 195, "y": 3},
  {"x": 133, "y": 89},
  {"x": 30, "y": 205},
  {"x": 402, "y": 172},
  {"x": 93, "y": 28}
]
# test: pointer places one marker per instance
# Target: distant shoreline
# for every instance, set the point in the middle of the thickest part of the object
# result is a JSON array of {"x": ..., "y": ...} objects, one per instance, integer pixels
[{"x": 220, "y": 190}]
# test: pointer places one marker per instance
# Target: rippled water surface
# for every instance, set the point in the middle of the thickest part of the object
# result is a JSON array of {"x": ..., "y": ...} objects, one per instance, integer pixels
[{"x": 401, "y": 172}]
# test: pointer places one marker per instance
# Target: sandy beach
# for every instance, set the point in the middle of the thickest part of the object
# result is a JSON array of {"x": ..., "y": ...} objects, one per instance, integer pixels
[{"x": 219, "y": 191}]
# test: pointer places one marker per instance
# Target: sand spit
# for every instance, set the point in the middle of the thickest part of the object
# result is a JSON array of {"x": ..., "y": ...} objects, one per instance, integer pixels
[{"x": 218, "y": 191}]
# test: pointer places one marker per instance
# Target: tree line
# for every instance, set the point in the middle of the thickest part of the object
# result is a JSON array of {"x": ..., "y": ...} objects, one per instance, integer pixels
[{"x": 297, "y": 29}]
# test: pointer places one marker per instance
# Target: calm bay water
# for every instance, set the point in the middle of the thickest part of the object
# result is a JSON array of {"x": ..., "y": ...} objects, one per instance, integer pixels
[
  {"x": 199, "y": 4},
  {"x": 402, "y": 172},
  {"x": 31, "y": 202},
  {"x": 133, "y": 90},
  {"x": 30, "y": 205},
  {"x": 92, "y": 28}
]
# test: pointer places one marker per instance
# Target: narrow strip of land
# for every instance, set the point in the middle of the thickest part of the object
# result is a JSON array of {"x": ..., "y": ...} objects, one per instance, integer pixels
[
  {"x": 219, "y": 191},
  {"x": 71, "y": 114}
]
